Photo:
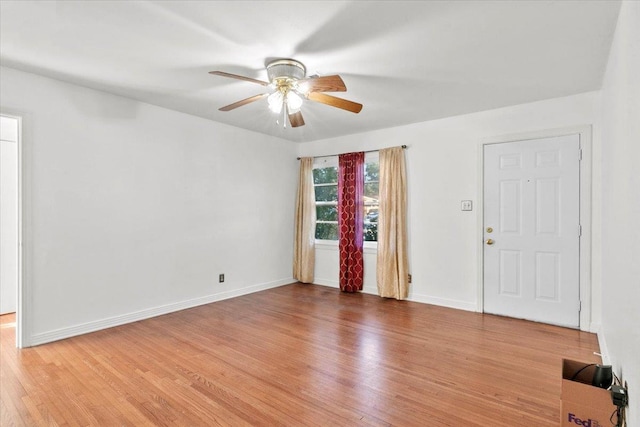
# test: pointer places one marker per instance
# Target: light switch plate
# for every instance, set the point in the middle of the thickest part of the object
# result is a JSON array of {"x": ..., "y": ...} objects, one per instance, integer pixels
[{"x": 467, "y": 205}]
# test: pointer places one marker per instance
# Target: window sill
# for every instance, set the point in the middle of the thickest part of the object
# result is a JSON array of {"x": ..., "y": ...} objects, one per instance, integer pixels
[{"x": 368, "y": 247}]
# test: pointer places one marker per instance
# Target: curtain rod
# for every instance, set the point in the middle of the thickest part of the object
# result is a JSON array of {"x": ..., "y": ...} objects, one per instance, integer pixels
[{"x": 333, "y": 155}]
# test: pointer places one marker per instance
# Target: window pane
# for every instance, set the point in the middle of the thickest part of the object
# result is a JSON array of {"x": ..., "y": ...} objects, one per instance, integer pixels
[
  {"x": 372, "y": 172},
  {"x": 372, "y": 189},
  {"x": 371, "y": 215},
  {"x": 325, "y": 175},
  {"x": 327, "y": 213},
  {"x": 327, "y": 231},
  {"x": 371, "y": 232},
  {"x": 327, "y": 193}
]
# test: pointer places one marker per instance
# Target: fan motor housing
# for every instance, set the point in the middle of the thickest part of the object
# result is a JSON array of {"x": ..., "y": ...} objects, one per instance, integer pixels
[{"x": 285, "y": 69}]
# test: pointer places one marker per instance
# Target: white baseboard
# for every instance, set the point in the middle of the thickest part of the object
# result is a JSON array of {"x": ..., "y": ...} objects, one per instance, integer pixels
[
  {"x": 327, "y": 282},
  {"x": 593, "y": 328},
  {"x": 425, "y": 299},
  {"x": 604, "y": 350},
  {"x": 444, "y": 302},
  {"x": 369, "y": 290},
  {"x": 335, "y": 284},
  {"x": 59, "y": 334}
]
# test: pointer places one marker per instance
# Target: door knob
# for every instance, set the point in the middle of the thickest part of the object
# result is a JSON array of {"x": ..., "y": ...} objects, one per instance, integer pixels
[{"x": 490, "y": 242}]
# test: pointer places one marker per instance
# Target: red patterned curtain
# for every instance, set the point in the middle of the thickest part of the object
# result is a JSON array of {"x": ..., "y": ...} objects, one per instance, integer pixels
[{"x": 350, "y": 220}]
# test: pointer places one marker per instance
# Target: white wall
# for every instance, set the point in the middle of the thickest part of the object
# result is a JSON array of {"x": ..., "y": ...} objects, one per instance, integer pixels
[
  {"x": 621, "y": 204},
  {"x": 8, "y": 214},
  {"x": 133, "y": 210},
  {"x": 442, "y": 168}
]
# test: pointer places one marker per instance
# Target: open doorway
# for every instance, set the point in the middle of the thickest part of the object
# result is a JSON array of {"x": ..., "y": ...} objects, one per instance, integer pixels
[{"x": 10, "y": 254}]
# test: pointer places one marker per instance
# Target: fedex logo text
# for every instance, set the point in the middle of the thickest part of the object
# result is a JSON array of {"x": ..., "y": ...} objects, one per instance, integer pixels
[{"x": 583, "y": 423}]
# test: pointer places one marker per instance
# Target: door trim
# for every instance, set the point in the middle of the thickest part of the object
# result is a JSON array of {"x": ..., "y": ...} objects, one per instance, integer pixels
[
  {"x": 585, "y": 136},
  {"x": 22, "y": 306}
]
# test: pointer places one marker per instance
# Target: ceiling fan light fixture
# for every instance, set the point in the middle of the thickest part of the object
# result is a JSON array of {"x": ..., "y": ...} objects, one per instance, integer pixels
[
  {"x": 285, "y": 68},
  {"x": 288, "y": 88},
  {"x": 275, "y": 100},
  {"x": 294, "y": 102}
]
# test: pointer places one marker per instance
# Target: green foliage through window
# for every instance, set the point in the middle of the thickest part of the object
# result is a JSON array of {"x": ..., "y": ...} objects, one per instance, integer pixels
[
  {"x": 325, "y": 181},
  {"x": 371, "y": 200}
]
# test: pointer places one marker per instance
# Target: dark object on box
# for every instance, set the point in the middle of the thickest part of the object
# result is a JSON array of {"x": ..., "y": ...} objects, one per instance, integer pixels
[
  {"x": 619, "y": 396},
  {"x": 602, "y": 376},
  {"x": 582, "y": 403}
]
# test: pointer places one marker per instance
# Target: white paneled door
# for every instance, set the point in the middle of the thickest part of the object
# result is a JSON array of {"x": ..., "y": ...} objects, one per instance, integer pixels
[{"x": 532, "y": 229}]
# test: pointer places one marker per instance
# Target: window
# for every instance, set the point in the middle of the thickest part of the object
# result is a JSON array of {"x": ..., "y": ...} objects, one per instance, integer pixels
[
  {"x": 325, "y": 181},
  {"x": 371, "y": 196}
]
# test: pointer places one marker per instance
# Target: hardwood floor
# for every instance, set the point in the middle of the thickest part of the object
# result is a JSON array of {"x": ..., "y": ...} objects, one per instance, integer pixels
[{"x": 296, "y": 355}]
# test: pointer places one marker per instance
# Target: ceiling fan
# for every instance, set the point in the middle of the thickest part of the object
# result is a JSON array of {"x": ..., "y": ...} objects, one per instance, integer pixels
[{"x": 289, "y": 87}]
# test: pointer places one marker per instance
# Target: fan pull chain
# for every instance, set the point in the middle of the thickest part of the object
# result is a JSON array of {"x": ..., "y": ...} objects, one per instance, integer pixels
[{"x": 284, "y": 115}]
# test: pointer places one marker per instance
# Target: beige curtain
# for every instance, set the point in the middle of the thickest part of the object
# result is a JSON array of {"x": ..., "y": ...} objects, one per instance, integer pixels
[
  {"x": 304, "y": 251},
  {"x": 392, "y": 271}
]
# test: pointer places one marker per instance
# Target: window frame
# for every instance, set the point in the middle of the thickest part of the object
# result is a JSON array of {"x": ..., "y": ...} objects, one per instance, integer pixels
[
  {"x": 372, "y": 157},
  {"x": 332, "y": 161},
  {"x": 321, "y": 163}
]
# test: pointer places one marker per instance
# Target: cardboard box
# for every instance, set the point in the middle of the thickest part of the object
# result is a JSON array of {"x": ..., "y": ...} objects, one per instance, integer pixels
[{"x": 583, "y": 404}]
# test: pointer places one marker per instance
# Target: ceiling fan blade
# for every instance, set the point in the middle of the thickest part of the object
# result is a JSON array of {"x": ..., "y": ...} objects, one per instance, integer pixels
[
  {"x": 236, "y": 76},
  {"x": 333, "y": 101},
  {"x": 243, "y": 102},
  {"x": 323, "y": 84},
  {"x": 296, "y": 119}
]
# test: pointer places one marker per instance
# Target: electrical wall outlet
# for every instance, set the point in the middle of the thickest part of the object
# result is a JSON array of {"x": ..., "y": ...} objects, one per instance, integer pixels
[
  {"x": 409, "y": 278},
  {"x": 221, "y": 278}
]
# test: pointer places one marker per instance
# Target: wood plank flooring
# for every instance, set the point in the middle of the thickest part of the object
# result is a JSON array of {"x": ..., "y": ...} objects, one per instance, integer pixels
[{"x": 295, "y": 355}]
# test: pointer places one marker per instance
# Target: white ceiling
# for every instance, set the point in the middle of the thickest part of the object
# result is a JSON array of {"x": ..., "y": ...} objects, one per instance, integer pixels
[{"x": 406, "y": 62}]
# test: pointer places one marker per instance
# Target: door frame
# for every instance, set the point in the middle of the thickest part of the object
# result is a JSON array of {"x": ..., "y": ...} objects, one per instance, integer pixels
[
  {"x": 585, "y": 282},
  {"x": 22, "y": 304}
]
